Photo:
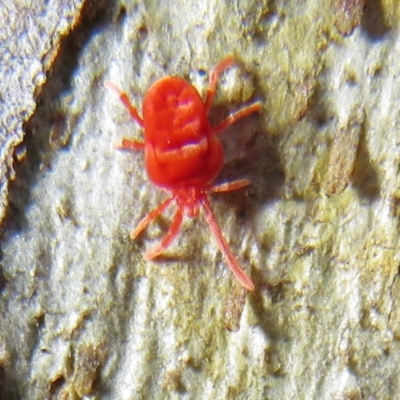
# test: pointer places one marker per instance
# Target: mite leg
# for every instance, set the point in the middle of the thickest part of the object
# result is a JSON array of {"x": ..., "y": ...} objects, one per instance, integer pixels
[
  {"x": 231, "y": 119},
  {"x": 167, "y": 239},
  {"x": 224, "y": 247},
  {"x": 128, "y": 144},
  {"x": 151, "y": 216},
  {"x": 125, "y": 101},
  {"x": 213, "y": 79},
  {"x": 229, "y": 186}
]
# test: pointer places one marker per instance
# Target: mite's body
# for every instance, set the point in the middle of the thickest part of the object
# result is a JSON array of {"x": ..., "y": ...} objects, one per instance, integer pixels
[{"x": 183, "y": 154}]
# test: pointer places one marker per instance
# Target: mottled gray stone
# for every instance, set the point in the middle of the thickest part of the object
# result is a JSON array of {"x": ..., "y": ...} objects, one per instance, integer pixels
[{"x": 83, "y": 315}]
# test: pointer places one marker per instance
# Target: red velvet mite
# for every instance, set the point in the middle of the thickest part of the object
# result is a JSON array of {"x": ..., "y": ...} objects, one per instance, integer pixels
[{"x": 183, "y": 154}]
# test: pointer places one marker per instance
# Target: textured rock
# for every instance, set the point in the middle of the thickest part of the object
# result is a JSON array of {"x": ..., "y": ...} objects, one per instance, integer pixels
[{"x": 83, "y": 315}]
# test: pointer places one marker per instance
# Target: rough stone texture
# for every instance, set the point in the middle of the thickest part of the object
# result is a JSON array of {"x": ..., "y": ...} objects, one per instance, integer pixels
[
  {"x": 83, "y": 315},
  {"x": 29, "y": 35}
]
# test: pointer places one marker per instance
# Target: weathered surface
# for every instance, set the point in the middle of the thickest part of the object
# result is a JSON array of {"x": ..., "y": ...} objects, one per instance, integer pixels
[
  {"x": 29, "y": 35},
  {"x": 83, "y": 315}
]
